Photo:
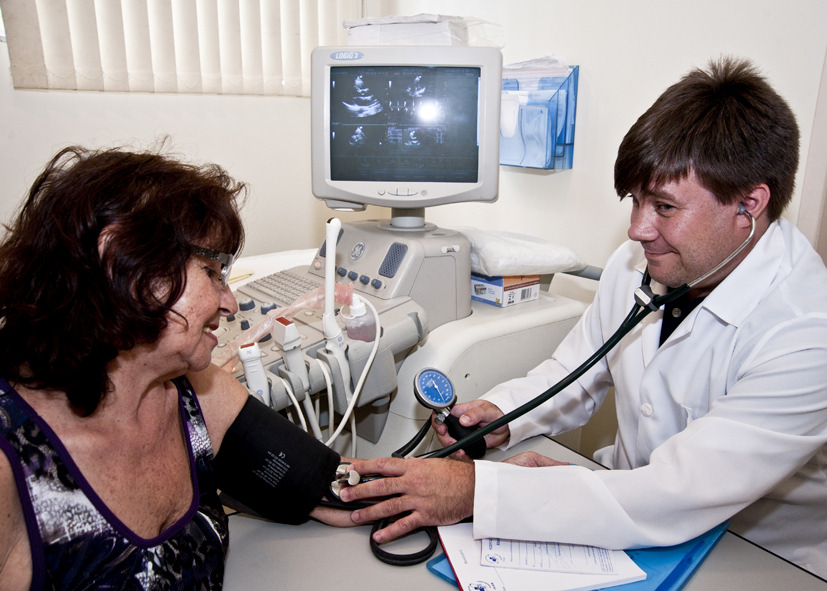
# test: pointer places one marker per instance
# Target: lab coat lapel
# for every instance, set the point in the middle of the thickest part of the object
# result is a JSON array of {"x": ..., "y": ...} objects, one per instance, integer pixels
[{"x": 730, "y": 301}]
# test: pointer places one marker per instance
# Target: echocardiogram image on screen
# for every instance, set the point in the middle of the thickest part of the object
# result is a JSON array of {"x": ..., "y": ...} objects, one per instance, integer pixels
[{"x": 404, "y": 123}]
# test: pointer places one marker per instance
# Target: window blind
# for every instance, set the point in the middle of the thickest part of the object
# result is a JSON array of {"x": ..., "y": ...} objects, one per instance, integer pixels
[{"x": 181, "y": 46}]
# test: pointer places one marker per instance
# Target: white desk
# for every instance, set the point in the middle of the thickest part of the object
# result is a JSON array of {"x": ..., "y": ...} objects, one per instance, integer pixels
[{"x": 313, "y": 556}]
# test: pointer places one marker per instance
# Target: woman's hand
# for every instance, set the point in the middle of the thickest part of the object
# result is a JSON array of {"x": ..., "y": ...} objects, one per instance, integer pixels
[{"x": 331, "y": 516}]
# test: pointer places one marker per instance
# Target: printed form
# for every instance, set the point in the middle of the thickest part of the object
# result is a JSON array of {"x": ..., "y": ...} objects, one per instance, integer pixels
[
  {"x": 510, "y": 565},
  {"x": 549, "y": 556}
]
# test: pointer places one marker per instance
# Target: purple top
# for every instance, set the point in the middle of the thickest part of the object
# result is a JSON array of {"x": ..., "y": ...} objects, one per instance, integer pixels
[{"x": 78, "y": 543}]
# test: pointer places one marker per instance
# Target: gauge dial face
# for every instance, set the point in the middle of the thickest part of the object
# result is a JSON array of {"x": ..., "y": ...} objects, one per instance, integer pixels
[{"x": 434, "y": 390}]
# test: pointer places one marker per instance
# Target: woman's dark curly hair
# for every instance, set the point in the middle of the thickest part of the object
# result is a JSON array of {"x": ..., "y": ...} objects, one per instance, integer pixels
[{"x": 97, "y": 257}]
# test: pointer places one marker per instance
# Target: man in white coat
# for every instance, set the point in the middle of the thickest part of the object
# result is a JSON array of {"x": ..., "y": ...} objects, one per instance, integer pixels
[{"x": 721, "y": 396}]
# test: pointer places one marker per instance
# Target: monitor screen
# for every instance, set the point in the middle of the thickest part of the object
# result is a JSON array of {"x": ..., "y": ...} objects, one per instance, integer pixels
[{"x": 405, "y": 127}]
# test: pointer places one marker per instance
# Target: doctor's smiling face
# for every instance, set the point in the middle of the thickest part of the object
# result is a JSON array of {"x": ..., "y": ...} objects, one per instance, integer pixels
[{"x": 685, "y": 232}]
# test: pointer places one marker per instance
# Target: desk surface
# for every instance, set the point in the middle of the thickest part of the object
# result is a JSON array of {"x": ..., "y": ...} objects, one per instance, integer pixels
[{"x": 313, "y": 556}]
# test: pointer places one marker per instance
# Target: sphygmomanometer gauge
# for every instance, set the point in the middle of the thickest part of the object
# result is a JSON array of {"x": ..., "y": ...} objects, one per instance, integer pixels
[{"x": 434, "y": 390}]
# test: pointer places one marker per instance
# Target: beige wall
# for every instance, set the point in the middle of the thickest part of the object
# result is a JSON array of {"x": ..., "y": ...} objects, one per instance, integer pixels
[{"x": 628, "y": 52}]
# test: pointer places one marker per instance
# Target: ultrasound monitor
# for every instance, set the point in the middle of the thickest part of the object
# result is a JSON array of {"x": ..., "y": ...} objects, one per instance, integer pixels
[{"x": 405, "y": 127}]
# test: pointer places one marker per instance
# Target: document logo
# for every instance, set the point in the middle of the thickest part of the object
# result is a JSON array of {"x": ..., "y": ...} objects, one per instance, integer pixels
[{"x": 492, "y": 559}]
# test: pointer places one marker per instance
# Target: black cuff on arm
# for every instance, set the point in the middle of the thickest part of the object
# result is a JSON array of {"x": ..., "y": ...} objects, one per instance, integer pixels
[{"x": 273, "y": 467}]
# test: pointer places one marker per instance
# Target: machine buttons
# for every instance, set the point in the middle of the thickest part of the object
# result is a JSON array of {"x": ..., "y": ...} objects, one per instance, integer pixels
[
  {"x": 376, "y": 283},
  {"x": 353, "y": 275},
  {"x": 405, "y": 192},
  {"x": 364, "y": 279},
  {"x": 267, "y": 307},
  {"x": 246, "y": 304}
]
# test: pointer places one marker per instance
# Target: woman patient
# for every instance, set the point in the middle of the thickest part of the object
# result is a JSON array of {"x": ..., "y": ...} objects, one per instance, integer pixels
[{"x": 115, "y": 428}]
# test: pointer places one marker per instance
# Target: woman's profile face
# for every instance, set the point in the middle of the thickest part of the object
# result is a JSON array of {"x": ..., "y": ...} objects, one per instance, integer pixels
[{"x": 188, "y": 339}]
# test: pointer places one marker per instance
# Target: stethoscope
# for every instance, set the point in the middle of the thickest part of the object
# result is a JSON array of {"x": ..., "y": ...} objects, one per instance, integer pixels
[{"x": 441, "y": 399}]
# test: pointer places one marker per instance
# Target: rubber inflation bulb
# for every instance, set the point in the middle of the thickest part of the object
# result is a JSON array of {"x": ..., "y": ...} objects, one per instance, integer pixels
[{"x": 476, "y": 449}]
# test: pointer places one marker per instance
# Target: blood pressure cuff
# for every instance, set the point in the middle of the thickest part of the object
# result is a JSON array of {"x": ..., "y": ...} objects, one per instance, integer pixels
[{"x": 271, "y": 466}]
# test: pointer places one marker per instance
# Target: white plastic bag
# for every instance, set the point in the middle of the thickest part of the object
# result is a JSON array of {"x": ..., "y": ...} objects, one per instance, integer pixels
[{"x": 497, "y": 253}]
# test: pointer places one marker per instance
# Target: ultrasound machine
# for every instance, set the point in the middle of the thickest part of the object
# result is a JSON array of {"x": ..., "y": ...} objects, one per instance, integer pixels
[{"x": 405, "y": 128}]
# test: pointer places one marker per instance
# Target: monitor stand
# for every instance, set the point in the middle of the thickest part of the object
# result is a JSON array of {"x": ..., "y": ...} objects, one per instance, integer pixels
[{"x": 409, "y": 219}]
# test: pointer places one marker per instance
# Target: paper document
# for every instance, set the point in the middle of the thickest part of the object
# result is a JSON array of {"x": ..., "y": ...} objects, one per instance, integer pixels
[
  {"x": 549, "y": 556},
  {"x": 466, "y": 556}
]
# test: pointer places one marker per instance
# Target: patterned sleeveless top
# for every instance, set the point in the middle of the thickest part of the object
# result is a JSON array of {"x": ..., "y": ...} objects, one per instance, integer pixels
[{"x": 78, "y": 543}]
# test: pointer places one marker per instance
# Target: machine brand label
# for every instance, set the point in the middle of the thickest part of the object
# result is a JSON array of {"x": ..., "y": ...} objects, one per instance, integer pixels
[
  {"x": 357, "y": 251},
  {"x": 347, "y": 55}
]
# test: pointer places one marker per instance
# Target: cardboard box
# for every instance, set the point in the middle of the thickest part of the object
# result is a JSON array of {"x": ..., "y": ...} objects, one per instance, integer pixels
[{"x": 505, "y": 291}]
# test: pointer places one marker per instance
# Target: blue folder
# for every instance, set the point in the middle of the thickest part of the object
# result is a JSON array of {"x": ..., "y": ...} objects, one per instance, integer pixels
[
  {"x": 667, "y": 568},
  {"x": 442, "y": 568}
]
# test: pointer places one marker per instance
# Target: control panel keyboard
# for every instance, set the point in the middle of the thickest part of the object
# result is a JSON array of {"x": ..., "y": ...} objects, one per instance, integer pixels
[{"x": 281, "y": 288}]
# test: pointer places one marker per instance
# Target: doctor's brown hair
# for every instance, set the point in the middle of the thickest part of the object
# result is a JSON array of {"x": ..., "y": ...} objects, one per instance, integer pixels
[{"x": 727, "y": 125}]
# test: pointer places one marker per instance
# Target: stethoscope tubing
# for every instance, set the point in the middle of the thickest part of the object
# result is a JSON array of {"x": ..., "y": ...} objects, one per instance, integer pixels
[{"x": 636, "y": 314}]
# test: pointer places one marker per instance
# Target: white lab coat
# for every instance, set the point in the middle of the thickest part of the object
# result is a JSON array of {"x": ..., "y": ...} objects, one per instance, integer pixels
[{"x": 726, "y": 420}]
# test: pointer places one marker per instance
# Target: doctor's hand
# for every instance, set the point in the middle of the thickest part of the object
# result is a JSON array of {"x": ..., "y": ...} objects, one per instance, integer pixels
[
  {"x": 477, "y": 413},
  {"x": 424, "y": 491}
]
